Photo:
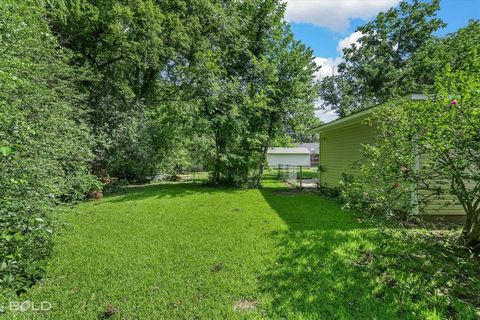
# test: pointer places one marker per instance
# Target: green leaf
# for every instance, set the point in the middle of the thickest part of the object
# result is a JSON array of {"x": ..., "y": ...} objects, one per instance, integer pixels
[{"x": 5, "y": 151}]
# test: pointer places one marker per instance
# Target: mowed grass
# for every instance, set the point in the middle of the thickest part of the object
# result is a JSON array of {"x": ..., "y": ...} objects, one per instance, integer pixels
[{"x": 184, "y": 251}]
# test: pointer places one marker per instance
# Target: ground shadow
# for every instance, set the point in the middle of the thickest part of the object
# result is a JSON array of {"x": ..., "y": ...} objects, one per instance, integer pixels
[
  {"x": 162, "y": 190},
  {"x": 331, "y": 266}
]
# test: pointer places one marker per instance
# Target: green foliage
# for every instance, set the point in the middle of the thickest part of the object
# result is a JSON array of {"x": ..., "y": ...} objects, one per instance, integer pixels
[
  {"x": 384, "y": 183},
  {"x": 45, "y": 143},
  {"x": 129, "y": 48},
  {"x": 381, "y": 65},
  {"x": 257, "y": 86},
  {"x": 429, "y": 62},
  {"x": 443, "y": 133},
  {"x": 124, "y": 89},
  {"x": 168, "y": 75}
]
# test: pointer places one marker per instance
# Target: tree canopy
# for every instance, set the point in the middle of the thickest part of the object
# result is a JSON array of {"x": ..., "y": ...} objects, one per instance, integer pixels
[{"x": 385, "y": 61}]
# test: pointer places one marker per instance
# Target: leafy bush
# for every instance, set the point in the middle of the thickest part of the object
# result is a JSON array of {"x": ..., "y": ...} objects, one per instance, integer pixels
[
  {"x": 45, "y": 145},
  {"x": 427, "y": 151},
  {"x": 381, "y": 186}
]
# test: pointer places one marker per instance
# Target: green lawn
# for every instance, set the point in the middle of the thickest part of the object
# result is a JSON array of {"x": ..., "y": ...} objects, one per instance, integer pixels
[{"x": 183, "y": 251}]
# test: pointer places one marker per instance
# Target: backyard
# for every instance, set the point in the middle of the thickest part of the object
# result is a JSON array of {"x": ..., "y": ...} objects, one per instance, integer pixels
[{"x": 188, "y": 251}]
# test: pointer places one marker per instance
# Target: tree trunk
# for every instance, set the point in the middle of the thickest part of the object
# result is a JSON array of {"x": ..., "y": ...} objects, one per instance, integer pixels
[
  {"x": 471, "y": 231},
  {"x": 216, "y": 168},
  {"x": 262, "y": 167},
  {"x": 264, "y": 151}
]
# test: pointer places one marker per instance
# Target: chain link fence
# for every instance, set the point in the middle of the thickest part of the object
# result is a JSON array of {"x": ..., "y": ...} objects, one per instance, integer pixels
[
  {"x": 190, "y": 175},
  {"x": 298, "y": 176}
]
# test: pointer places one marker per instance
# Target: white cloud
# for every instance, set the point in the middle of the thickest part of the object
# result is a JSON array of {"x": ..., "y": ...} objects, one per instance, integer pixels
[
  {"x": 326, "y": 115},
  {"x": 328, "y": 66},
  {"x": 348, "y": 41},
  {"x": 335, "y": 14}
]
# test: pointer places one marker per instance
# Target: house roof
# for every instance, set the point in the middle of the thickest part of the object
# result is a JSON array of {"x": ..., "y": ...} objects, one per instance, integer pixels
[
  {"x": 362, "y": 115},
  {"x": 313, "y": 147},
  {"x": 298, "y": 150}
]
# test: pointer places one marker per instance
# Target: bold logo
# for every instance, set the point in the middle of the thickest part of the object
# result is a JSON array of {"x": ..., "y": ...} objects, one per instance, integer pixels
[{"x": 26, "y": 305}]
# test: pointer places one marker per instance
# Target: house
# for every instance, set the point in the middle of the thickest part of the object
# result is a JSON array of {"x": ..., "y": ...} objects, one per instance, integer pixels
[
  {"x": 299, "y": 156},
  {"x": 340, "y": 147},
  {"x": 314, "y": 152}
]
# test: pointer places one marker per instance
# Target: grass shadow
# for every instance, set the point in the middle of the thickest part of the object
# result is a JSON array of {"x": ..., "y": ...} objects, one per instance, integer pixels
[
  {"x": 163, "y": 190},
  {"x": 330, "y": 265}
]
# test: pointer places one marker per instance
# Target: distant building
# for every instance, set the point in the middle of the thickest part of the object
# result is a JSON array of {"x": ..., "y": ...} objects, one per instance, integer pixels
[
  {"x": 314, "y": 152},
  {"x": 299, "y": 156}
]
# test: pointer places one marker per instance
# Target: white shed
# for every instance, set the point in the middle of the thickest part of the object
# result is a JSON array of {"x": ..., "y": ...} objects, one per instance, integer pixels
[{"x": 288, "y": 156}]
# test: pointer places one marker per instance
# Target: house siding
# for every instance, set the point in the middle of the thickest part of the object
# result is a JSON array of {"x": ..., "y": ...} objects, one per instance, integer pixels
[
  {"x": 445, "y": 204},
  {"x": 341, "y": 147}
]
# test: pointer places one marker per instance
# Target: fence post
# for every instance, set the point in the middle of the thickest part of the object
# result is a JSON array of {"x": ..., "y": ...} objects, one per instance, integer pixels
[{"x": 300, "y": 176}]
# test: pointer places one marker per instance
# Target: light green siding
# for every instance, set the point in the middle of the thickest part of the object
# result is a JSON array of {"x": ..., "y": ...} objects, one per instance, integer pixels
[
  {"x": 445, "y": 204},
  {"x": 340, "y": 149}
]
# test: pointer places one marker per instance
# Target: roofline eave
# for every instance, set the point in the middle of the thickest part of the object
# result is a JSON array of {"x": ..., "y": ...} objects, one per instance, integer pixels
[{"x": 362, "y": 114}]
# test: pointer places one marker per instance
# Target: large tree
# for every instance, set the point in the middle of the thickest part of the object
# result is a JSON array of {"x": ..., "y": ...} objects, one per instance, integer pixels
[
  {"x": 137, "y": 52},
  {"x": 256, "y": 83},
  {"x": 378, "y": 66}
]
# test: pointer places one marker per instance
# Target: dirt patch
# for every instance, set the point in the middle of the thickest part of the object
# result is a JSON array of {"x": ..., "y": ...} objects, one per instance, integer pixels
[
  {"x": 245, "y": 305},
  {"x": 109, "y": 312},
  {"x": 217, "y": 267}
]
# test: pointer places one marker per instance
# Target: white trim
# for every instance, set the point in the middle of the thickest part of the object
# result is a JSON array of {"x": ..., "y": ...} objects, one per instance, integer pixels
[{"x": 361, "y": 114}]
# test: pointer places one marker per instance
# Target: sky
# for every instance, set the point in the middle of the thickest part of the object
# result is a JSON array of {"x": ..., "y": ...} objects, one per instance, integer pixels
[{"x": 327, "y": 26}]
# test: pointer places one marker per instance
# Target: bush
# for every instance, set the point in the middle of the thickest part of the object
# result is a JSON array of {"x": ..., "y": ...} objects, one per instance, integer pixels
[
  {"x": 428, "y": 150},
  {"x": 44, "y": 142}
]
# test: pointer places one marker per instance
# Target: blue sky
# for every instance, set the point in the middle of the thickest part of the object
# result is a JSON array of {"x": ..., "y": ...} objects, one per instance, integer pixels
[{"x": 328, "y": 25}]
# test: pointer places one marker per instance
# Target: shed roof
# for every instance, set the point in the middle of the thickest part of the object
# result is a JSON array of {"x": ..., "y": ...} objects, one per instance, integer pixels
[
  {"x": 298, "y": 150},
  {"x": 362, "y": 115},
  {"x": 313, "y": 147}
]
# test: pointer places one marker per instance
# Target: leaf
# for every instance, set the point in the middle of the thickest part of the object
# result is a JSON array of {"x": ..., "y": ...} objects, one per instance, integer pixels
[{"x": 5, "y": 151}]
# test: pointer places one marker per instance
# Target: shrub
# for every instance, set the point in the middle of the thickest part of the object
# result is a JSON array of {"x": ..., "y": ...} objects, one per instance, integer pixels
[
  {"x": 431, "y": 149},
  {"x": 44, "y": 142}
]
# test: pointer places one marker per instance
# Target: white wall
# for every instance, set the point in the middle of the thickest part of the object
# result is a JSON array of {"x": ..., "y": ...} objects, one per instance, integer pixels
[{"x": 292, "y": 159}]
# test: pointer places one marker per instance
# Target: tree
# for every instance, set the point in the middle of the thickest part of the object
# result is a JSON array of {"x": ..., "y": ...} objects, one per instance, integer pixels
[
  {"x": 377, "y": 67},
  {"x": 450, "y": 139},
  {"x": 256, "y": 84},
  {"x": 429, "y": 62},
  {"x": 137, "y": 52}
]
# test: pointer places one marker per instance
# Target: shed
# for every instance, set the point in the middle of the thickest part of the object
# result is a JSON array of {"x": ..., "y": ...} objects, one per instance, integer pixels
[
  {"x": 299, "y": 156},
  {"x": 341, "y": 144},
  {"x": 314, "y": 149}
]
